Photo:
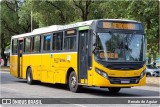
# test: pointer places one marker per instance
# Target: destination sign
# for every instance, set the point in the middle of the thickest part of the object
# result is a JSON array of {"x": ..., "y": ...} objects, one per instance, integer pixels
[
  {"x": 70, "y": 32},
  {"x": 109, "y": 55},
  {"x": 120, "y": 25}
]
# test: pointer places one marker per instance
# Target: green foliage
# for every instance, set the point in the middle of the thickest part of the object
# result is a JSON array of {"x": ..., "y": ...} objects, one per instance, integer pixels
[
  {"x": 147, "y": 12},
  {"x": 52, "y": 12}
]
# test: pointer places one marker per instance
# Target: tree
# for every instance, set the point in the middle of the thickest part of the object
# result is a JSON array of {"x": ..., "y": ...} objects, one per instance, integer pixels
[
  {"x": 84, "y": 7},
  {"x": 147, "y": 12},
  {"x": 24, "y": 14},
  {"x": 48, "y": 13},
  {"x": 15, "y": 19},
  {"x": 9, "y": 20}
]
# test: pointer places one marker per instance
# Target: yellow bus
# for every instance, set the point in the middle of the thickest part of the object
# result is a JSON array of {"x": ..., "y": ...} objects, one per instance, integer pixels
[{"x": 99, "y": 53}]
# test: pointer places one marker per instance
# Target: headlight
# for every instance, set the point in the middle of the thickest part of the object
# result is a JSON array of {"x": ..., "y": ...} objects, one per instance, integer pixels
[
  {"x": 142, "y": 74},
  {"x": 102, "y": 73}
]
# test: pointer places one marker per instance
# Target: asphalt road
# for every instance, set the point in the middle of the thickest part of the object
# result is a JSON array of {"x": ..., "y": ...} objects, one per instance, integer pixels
[{"x": 12, "y": 87}]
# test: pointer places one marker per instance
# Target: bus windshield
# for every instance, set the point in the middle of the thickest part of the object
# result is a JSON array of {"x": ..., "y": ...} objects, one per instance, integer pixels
[{"x": 119, "y": 47}]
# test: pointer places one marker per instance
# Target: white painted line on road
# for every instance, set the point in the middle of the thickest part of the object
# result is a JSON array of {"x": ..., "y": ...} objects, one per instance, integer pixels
[
  {"x": 79, "y": 105},
  {"x": 9, "y": 89}
]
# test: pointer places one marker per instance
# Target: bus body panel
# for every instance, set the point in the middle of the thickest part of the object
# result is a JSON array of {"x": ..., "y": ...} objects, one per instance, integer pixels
[
  {"x": 51, "y": 67},
  {"x": 26, "y": 64},
  {"x": 35, "y": 64},
  {"x": 90, "y": 77},
  {"x": 14, "y": 65},
  {"x": 61, "y": 62}
]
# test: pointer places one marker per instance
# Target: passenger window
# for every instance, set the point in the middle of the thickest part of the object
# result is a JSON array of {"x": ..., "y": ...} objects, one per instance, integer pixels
[
  {"x": 70, "y": 43},
  {"x": 70, "y": 40},
  {"x": 27, "y": 46},
  {"x": 14, "y": 46},
  {"x": 46, "y": 42},
  {"x": 36, "y": 43},
  {"x": 57, "y": 41}
]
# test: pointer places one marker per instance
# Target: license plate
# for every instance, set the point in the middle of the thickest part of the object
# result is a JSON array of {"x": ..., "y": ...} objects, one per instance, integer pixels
[{"x": 125, "y": 81}]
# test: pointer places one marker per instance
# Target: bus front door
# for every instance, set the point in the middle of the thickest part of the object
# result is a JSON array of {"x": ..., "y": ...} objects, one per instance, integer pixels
[
  {"x": 83, "y": 57},
  {"x": 20, "y": 58}
]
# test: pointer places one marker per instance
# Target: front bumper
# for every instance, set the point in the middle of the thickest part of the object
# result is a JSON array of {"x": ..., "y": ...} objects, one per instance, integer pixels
[{"x": 118, "y": 82}]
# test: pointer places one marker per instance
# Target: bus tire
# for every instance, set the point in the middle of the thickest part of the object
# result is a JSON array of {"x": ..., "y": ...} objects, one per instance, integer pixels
[
  {"x": 73, "y": 83},
  {"x": 114, "y": 89},
  {"x": 29, "y": 76}
]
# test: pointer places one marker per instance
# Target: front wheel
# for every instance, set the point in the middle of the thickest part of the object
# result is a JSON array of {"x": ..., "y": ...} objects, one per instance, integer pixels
[
  {"x": 73, "y": 83},
  {"x": 114, "y": 89}
]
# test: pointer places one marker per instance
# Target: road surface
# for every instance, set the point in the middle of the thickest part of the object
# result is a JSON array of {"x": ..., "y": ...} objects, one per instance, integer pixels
[{"x": 12, "y": 87}]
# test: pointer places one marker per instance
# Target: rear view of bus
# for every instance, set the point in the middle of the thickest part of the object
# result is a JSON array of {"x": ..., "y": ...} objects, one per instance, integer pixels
[{"x": 118, "y": 54}]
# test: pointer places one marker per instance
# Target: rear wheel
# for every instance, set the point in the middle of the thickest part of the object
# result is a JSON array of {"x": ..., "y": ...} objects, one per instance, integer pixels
[
  {"x": 73, "y": 83},
  {"x": 29, "y": 76},
  {"x": 114, "y": 89}
]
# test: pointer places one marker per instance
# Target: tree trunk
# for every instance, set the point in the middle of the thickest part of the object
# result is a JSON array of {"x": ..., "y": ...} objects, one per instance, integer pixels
[
  {"x": 149, "y": 58},
  {"x": 5, "y": 61},
  {"x": 154, "y": 59}
]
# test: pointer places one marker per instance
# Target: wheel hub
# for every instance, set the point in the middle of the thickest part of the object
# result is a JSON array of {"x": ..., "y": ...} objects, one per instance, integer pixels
[
  {"x": 73, "y": 81},
  {"x": 29, "y": 78}
]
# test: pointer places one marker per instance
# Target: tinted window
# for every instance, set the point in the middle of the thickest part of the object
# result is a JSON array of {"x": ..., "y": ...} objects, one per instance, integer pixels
[
  {"x": 70, "y": 43},
  {"x": 36, "y": 43},
  {"x": 46, "y": 42},
  {"x": 57, "y": 41},
  {"x": 120, "y": 47},
  {"x": 27, "y": 44},
  {"x": 14, "y": 46}
]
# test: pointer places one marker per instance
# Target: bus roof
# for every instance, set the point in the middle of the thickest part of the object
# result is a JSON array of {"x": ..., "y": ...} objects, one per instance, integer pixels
[{"x": 52, "y": 28}]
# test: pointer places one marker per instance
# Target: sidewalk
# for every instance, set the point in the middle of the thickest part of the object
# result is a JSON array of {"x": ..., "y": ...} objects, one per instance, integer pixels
[
  {"x": 150, "y": 81},
  {"x": 153, "y": 81},
  {"x": 3, "y": 68}
]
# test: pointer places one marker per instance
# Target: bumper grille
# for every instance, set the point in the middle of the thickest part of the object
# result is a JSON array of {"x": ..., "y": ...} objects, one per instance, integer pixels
[{"x": 123, "y": 80}]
